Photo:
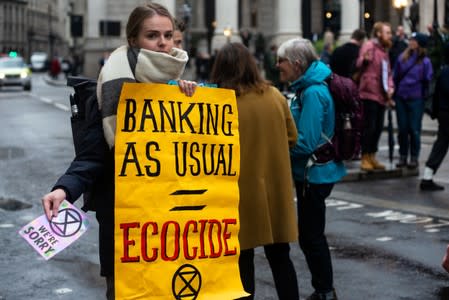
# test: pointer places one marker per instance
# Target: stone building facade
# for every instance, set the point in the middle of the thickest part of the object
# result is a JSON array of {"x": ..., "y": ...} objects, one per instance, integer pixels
[
  {"x": 28, "y": 26},
  {"x": 87, "y": 28}
]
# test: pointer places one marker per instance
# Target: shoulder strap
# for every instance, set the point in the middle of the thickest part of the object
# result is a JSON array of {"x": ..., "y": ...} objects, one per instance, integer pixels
[{"x": 406, "y": 72}]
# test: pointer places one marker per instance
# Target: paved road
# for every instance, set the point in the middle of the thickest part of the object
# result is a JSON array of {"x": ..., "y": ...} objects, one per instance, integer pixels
[{"x": 387, "y": 238}]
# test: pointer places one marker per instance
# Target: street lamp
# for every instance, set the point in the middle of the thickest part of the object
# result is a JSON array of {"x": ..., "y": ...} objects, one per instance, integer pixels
[
  {"x": 228, "y": 34},
  {"x": 400, "y": 5}
]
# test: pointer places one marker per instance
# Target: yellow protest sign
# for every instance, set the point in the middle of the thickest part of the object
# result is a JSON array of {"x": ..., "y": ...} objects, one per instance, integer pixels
[{"x": 177, "y": 162}]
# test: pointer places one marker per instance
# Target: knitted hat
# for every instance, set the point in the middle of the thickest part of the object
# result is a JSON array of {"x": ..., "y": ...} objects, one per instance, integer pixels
[{"x": 421, "y": 38}]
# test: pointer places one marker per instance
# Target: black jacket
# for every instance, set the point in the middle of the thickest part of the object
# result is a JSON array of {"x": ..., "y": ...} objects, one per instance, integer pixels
[
  {"x": 92, "y": 173},
  {"x": 344, "y": 58},
  {"x": 441, "y": 95}
]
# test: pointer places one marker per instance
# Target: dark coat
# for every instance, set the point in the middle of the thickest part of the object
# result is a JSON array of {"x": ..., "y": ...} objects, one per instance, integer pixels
[
  {"x": 344, "y": 58},
  {"x": 93, "y": 170},
  {"x": 441, "y": 96}
]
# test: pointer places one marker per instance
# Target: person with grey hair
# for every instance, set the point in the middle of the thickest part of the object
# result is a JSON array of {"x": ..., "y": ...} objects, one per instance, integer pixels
[{"x": 314, "y": 113}]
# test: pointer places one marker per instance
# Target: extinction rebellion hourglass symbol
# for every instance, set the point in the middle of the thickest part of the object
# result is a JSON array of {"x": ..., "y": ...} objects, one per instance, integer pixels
[
  {"x": 67, "y": 224},
  {"x": 186, "y": 283}
]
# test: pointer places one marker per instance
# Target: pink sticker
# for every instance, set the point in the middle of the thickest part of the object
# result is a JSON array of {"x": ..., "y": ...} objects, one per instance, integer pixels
[{"x": 50, "y": 238}]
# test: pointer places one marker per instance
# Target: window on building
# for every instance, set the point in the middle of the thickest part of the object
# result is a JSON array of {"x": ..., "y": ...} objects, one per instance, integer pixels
[{"x": 110, "y": 28}]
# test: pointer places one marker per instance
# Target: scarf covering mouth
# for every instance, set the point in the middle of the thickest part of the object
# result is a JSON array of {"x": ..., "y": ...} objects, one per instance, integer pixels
[{"x": 128, "y": 64}]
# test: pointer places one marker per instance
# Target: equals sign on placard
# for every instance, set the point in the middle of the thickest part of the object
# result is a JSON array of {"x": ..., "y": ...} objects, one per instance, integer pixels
[{"x": 188, "y": 192}]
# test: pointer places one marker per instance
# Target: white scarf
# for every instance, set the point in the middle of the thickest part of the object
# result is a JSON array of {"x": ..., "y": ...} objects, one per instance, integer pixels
[{"x": 127, "y": 64}]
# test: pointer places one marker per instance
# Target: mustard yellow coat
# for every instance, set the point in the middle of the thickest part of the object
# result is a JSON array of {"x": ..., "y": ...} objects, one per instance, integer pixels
[{"x": 267, "y": 208}]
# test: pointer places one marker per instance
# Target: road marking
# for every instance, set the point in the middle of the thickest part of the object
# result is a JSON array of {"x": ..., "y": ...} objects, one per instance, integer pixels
[
  {"x": 46, "y": 100},
  {"x": 62, "y": 106},
  {"x": 342, "y": 205},
  {"x": 384, "y": 239},
  {"x": 62, "y": 291},
  {"x": 417, "y": 209},
  {"x": 432, "y": 225},
  {"x": 6, "y": 225}
]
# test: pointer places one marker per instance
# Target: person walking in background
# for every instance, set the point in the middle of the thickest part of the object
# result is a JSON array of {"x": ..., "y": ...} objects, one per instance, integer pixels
[
  {"x": 271, "y": 71},
  {"x": 344, "y": 57},
  {"x": 376, "y": 90},
  {"x": 66, "y": 66},
  {"x": 178, "y": 34},
  {"x": 440, "y": 111},
  {"x": 94, "y": 164},
  {"x": 103, "y": 59},
  {"x": 400, "y": 43},
  {"x": 438, "y": 37},
  {"x": 55, "y": 67},
  {"x": 314, "y": 113},
  {"x": 328, "y": 37},
  {"x": 412, "y": 75},
  {"x": 326, "y": 53},
  {"x": 267, "y": 216}
]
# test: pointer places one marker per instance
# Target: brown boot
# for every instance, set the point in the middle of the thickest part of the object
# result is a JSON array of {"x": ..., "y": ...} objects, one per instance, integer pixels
[
  {"x": 376, "y": 164},
  {"x": 366, "y": 164}
]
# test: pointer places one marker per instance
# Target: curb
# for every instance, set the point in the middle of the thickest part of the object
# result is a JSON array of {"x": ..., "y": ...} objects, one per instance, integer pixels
[
  {"x": 354, "y": 174},
  {"x": 57, "y": 82}
]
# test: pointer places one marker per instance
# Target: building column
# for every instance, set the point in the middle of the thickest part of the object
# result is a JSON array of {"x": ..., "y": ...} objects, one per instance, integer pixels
[
  {"x": 350, "y": 17},
  {"x": 199, "y": 15},
  {"x": 288, "y": 20},
  {"x": 246, "y": 14},
  {"x": 426, "y": 14},
  {"x": 226, "y": 18},
  {"x": 169, "y": 4}
]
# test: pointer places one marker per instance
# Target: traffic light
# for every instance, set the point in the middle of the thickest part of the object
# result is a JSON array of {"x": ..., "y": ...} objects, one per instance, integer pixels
[{"x": 12, "y": 54}]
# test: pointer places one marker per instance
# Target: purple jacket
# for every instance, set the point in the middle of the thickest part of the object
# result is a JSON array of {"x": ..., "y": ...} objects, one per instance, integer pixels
[
  {"x": 411, "y": 78},
  {"x": 370, "y": 60}
]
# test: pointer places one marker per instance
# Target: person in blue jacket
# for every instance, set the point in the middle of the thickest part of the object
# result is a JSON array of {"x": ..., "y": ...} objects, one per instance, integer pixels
[{"x": 314, "y": 114}]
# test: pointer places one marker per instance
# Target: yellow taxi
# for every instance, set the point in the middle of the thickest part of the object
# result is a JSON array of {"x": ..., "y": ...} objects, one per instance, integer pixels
[{"x": 14, "y": 71}]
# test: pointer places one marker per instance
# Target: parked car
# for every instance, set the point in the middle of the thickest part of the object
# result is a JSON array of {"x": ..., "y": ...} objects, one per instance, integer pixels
[
  {"x": 14, "y": 71},
  {"x": 39, "y": 61}
]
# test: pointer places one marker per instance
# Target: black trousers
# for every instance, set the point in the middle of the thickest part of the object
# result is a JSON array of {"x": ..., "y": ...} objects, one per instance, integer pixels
[
  {"x": 110, "y": 290},
  {"x": 284, "y": 274},
  {"x": 312, "y": 240},
  {"x": 441, "y": 145},
  {"x": 373, "y": 121}
]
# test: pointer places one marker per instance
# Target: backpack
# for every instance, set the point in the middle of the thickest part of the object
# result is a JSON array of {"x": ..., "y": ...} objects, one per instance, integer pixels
[
  {"x": 85, "y": 114},
  {"x": 346, "y": 142}
]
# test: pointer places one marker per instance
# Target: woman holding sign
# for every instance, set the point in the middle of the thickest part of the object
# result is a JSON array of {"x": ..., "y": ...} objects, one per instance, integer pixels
[
  {"x": 266, "y": 208},
  {"x": 148, "y": 57}
]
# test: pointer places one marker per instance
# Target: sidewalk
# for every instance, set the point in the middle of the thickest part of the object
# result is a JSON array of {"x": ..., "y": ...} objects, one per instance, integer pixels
[{"x": 429, "y": 130}]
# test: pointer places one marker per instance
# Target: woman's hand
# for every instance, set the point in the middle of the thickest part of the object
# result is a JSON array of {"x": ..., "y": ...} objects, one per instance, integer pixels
[
  {"x": 187, "y": 87},
  {"x": 52, "y": 201}
]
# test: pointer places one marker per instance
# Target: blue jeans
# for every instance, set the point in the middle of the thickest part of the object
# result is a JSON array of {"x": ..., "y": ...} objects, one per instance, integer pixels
[{"x": 409, "y": 113}]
